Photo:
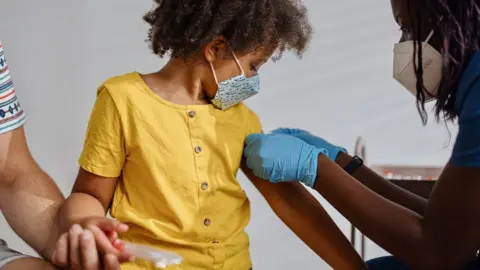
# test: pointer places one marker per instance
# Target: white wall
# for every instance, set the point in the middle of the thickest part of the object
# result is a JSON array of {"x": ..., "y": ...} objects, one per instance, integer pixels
[{"x": 59, "y": 51}]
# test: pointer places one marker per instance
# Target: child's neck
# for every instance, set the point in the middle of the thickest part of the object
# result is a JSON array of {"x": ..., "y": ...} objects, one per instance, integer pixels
[{"x": 177, "y": 82}]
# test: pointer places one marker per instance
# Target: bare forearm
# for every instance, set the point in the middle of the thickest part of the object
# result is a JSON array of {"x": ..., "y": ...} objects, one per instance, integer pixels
[
  {"x": 30, "y": 200},
  {"x": 394, "y": 227},
  {"x": 77, "y": 208},
  {"x": 385, "y": 188},
  {"x": 304, "y": 215}
]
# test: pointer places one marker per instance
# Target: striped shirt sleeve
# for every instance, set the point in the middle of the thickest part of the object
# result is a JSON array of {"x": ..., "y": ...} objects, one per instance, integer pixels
[{"x": 11, "y": 114}]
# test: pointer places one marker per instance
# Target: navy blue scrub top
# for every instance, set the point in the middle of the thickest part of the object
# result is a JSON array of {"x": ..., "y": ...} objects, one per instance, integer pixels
[{"x": 466, "y": 152}]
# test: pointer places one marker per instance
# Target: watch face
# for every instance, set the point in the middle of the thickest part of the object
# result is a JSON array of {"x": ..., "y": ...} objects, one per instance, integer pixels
[{"x": 353, "y": 164}]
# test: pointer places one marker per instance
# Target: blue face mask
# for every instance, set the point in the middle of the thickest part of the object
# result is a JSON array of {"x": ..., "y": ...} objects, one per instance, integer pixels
[{"x": 235, "y": 90}]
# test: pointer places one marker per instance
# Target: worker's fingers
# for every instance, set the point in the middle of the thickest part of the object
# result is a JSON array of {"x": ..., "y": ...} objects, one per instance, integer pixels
[
  {"x": 88, "y": 251},
  {"x": 60, "y": 255},
  {"x": 74, "y": 247}
]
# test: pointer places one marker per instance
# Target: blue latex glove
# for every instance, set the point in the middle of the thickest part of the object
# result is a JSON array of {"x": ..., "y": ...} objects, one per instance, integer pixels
[
  {"x": 282, "y": 158},
  {"x": 318, "y": 142}
]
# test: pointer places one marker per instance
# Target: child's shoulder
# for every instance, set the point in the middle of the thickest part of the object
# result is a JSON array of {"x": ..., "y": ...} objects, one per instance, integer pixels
[
  {"x": 123, "y": 82},
  {"x": 249, "y": 116},
  {"x": 240, "y": 111},
  {"x": 122, "y": 88},
  {"x": 246, "y": 110}
]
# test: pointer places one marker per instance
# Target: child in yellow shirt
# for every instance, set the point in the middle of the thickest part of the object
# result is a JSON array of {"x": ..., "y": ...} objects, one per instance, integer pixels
[{"x": 162, "y": 150}]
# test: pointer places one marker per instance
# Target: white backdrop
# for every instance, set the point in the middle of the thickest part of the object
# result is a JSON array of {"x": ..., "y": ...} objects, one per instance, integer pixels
[{"x": 59, "y": 51}]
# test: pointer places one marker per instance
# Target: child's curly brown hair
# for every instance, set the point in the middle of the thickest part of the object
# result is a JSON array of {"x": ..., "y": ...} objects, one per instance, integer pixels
[{"x": 182, "y": 27}]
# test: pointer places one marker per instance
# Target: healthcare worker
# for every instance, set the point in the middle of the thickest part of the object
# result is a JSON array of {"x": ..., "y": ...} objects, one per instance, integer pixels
[
  {"x": 29, "y": 200},
  {"x": 443, "y": 232}
]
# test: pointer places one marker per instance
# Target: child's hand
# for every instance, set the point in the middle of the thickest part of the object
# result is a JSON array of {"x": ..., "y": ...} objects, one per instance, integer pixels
[{"x": 85, "y": 246}]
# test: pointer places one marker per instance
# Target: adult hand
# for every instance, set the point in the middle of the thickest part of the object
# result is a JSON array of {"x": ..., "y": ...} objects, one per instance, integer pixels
[
  {"x": 92, "y": 246},
  {"x": 282, "y": 158},
  {"x": 318, "y": 142}
]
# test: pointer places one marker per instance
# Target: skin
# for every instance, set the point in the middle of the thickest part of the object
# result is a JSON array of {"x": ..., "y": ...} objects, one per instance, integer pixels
[
  {"x": 193, "y": 83},
  {"x": 446, "y": 236},
  {"x": 441, "y": 233},
  {"x": 77, "y": 248},
  {"x": 29, "y": 263},
  {"x": 30, "y": 200}
]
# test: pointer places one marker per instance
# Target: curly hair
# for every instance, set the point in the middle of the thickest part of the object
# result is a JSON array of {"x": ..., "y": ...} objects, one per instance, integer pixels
[
  {"x": 457, "y": 23},
  {"x": 182, "y": 27}
]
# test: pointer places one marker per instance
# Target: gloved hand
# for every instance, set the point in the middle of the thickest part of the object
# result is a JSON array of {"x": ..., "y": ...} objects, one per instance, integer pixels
[
  {"x": 282, "y": 158},
  {"x": 312, "y": 140}
]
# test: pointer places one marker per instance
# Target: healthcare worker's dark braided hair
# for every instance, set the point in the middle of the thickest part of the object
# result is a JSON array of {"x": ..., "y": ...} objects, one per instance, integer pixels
[
  {"x": 457, "y": 24},
  {"x": 182, "y": 27}
]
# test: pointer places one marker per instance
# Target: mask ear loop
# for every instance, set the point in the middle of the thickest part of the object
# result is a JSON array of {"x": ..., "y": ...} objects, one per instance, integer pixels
[
  {"x": 428, "y": 38},
  {"x": 236, "y": 60},
  {"x": 426, "y": 43},
  {"x": 432, "y": 32},
  {"x": 213, "y": 72}
]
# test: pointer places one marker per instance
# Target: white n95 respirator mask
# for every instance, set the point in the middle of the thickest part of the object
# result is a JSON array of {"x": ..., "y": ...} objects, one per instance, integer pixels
[{"x": 404, "y": 68}]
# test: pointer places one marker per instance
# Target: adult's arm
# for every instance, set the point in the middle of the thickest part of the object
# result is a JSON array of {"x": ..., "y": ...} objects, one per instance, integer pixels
[
  {"x": 385, "y": 188},
  {"x": 29, "y": 263},
  {"x": 363, "y": 174},
  {"x": 446, "y": 237},
  {"x": 29, "y": 199}
]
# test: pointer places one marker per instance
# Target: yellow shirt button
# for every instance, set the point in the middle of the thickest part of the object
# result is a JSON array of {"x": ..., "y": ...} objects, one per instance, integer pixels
[
  {"x": 198, "y": 149},
  {"x": 207, "y": 222},
  {"x": 204, "y": 185},
  {"x": 192, "y": 114}
]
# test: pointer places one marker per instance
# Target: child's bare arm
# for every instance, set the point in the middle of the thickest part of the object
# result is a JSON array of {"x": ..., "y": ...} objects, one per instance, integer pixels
[
  {"x": 91, "y": 197},
  {"x": 87, "y": 206},
  {"x": 304, "y": 215},
  {"x": 99, "y": 188}
]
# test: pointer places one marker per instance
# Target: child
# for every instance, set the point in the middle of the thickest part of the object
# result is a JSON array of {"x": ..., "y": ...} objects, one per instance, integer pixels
[{"x": 163, "y": 149}]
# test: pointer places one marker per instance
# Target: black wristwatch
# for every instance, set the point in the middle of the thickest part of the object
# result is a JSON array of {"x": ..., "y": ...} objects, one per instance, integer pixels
[{"x": 353, "y": 165}]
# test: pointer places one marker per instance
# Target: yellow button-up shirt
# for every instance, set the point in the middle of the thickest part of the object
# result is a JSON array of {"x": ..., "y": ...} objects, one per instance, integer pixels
[{"x": 177, "y": 167}]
